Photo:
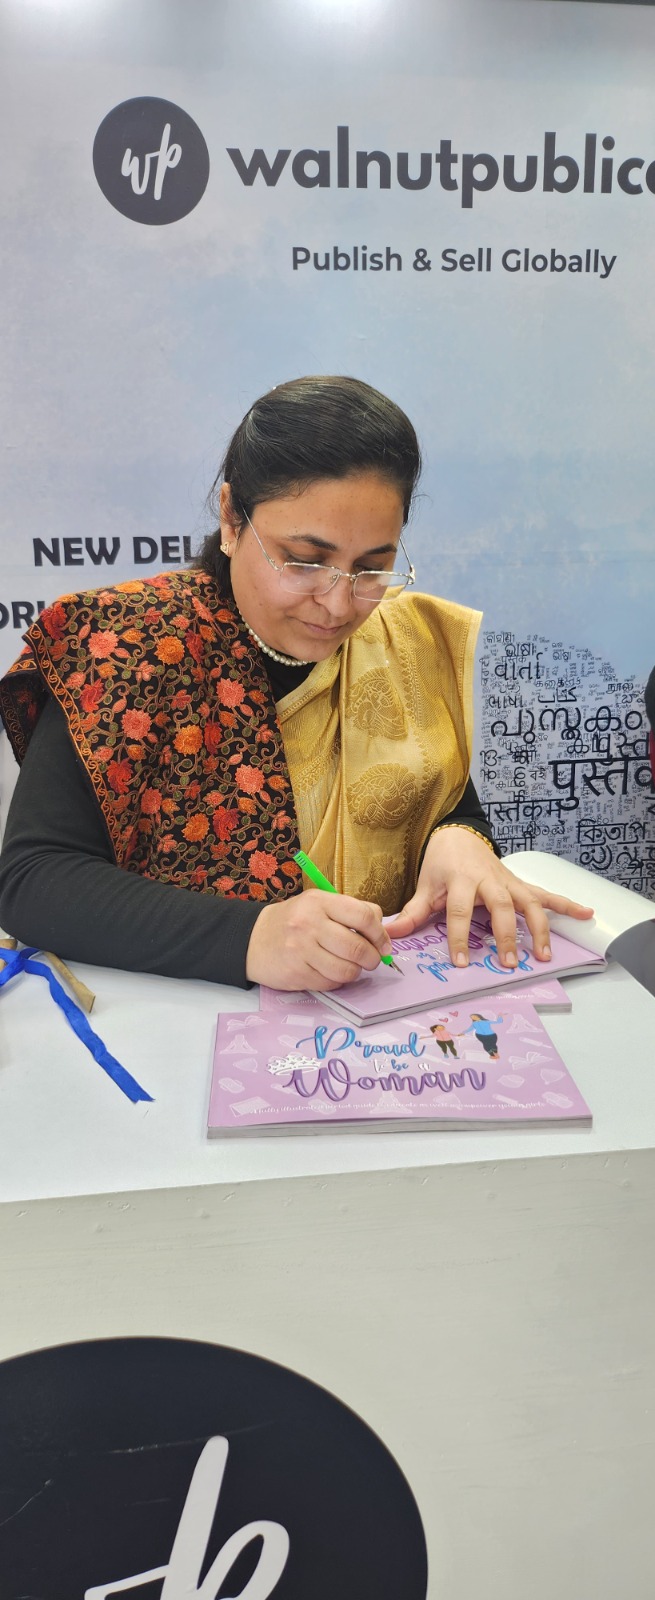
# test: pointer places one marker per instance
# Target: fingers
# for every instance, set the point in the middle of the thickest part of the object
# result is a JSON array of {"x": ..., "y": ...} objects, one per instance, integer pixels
[
  {"x": 565, "y": 908},
  {"x": 532, "y": 902},
  {"x": 413, "y": 914},
  {"x": 503, "y": 923},
  {"x": 297, "y": 944},
  {"x": 343, "y": 954},
  {"x": 360, "y": 917},
  {"x": 522, "y": 892},
  {"x": 503, "y": 901},
  {"x": 459, "y": 910},
  {"x": 341, "y": 937},
  {"x": 538, "y": 925},
  {"x": 313, "y": 978}
]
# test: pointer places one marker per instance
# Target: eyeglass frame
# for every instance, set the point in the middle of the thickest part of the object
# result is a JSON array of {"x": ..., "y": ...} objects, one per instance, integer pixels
[{"x": 320, "y": 566}]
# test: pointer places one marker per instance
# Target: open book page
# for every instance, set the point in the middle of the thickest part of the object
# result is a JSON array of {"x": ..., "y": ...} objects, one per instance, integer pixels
[{"x": 302, "y": 1069}]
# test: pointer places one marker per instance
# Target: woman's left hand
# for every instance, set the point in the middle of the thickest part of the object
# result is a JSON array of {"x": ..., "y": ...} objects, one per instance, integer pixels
[{"x": 459, "y": 872}]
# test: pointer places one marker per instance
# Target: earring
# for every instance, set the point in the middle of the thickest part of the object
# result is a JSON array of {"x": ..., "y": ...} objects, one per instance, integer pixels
[{"x": 225, "y": 550}]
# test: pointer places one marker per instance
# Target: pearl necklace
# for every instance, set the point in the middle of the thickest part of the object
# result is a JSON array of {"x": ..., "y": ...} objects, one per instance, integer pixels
[{"x": 285, "y": 661}]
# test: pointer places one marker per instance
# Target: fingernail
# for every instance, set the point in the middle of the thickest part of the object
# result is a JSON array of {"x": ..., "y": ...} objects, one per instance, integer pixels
[
  {"x": 461, "y": 960},
  {"x": 545, "y": 951},
  {"x": 510, "y": 959}
]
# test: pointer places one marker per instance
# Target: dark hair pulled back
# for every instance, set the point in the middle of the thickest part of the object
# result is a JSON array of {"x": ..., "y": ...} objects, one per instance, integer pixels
[{"x": 305, "y": 430}]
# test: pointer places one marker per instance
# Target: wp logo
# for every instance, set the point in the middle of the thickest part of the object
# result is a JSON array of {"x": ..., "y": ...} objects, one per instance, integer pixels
[
  {"x": 150, "y": 160},
  {"x": 167, "y": 1469}
]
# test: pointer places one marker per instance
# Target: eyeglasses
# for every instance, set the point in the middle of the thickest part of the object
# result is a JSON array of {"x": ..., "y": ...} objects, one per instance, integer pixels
[{"x": 312, "y": 577}]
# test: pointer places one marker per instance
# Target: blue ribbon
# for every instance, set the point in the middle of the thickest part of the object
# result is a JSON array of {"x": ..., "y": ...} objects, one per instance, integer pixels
[{"x": 21, "y": 961}]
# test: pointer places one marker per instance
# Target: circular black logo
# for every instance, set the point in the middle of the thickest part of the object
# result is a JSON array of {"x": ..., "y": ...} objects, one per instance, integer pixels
[
  {"x": 151, "y": 160},
  {"x": 162, "y": 1467}
]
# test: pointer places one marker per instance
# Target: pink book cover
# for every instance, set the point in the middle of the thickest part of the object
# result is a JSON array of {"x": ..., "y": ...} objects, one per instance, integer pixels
[
  {"x": 301, "y": 1069},
  {"x": 544, "y": 995},
  {"x": 427, "y": 975}
]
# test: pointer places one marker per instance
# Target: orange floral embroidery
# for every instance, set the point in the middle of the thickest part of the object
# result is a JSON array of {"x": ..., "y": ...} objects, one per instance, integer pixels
[
  {"x": 224, "y": 820},
  {"x": 229, "y": 692},
  {"x": 262, "y": 865},
  {"x": 213, "y": 736},
  {"x": 102, "y": 644},
  {"x": 136, "y": 723},
  {"x": 169, "y": 649},
  {"x": 151, "y": 802},
  {"x": 54, "y": 619},
  {"x": 188, "y": 740},
  {"x": 92, "y": 695},
  {"x": 119, "y": 774},
  {"x": 196, "y": 827},
  {"x": 194, "y": 645},
  {"x": 249, "y": 778}
]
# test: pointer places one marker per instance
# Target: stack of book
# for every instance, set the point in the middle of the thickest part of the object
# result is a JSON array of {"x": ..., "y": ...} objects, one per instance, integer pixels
[{"x": 429, "y": 1046}]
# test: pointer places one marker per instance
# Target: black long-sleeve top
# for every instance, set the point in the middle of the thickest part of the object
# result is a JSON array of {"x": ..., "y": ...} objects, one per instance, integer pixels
[{"x": 61, "y": 889}]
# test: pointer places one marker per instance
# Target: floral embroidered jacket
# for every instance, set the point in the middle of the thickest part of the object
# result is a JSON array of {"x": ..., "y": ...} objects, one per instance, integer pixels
[{"x": 172, "y": 713}]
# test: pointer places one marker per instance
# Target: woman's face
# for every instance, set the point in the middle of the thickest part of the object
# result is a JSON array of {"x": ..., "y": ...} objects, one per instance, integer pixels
[{"x": 353, "y": 523}]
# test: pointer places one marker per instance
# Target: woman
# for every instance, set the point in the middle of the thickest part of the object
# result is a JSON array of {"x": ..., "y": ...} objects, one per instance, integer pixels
[
  {"x": 443, "y": 1037},
  {"x": 483, "y": 1028},
  {"x": 181, "y": 737}
]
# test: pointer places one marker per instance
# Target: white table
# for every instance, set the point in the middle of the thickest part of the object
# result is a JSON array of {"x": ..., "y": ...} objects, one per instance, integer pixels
[{"x": 522, "y": 1263}]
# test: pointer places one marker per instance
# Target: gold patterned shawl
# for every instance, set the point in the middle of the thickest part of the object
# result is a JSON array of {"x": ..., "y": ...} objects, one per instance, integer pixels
[{"x": 378, "y": 744}]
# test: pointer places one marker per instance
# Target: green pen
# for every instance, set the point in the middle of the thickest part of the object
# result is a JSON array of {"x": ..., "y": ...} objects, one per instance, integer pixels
[{"x": 322, "y": 882}]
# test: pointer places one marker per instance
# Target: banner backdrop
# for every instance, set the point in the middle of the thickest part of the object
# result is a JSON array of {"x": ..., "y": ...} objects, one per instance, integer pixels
[{"x": 452, "y": 199}]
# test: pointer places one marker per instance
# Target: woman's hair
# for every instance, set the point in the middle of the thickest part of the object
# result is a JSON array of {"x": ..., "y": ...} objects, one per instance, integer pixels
[{"x": 311, "y": 428}]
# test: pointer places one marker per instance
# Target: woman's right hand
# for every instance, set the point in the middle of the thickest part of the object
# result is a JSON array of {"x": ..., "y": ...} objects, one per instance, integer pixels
[{"x": 316, "y": 940}]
